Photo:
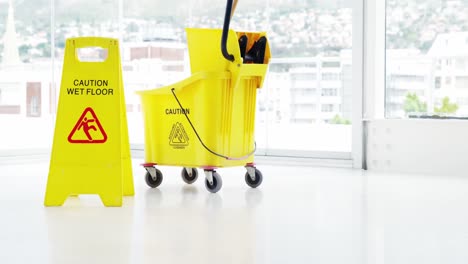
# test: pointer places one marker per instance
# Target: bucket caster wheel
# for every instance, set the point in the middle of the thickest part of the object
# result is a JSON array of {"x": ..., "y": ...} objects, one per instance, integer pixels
[
  {"x": 213, "y": 181},
  {"x": 189, "y": 175},
  {"x": 153, "y": 177},
  {"x": 253, "y": 177}
]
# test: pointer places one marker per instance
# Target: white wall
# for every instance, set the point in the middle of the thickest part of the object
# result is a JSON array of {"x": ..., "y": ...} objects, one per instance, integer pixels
[{"x": 419, "y": 146}]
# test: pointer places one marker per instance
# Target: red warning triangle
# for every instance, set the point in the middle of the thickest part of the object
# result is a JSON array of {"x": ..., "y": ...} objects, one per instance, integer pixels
[{"x": 88, "y": 129}]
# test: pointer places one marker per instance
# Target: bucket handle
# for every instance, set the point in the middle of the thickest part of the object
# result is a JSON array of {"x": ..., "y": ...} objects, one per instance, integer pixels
[
  {"x": 203, "y": 144},
  {"x": 227, "y": 18}
]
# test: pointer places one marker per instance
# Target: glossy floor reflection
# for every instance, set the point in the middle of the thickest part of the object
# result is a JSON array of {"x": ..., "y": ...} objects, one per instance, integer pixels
[{"x": 298, "y": 215}]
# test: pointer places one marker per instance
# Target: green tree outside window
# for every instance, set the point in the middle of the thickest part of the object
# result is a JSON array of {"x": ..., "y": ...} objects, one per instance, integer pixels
[
  {"x": 414, "y": 105},
  {"x": 446, "y": 107},
  {"x": 338, "y": 120}
]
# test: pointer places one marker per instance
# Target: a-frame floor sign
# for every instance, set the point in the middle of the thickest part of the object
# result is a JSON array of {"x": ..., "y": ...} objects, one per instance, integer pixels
[{"x": 91, "y": 150}]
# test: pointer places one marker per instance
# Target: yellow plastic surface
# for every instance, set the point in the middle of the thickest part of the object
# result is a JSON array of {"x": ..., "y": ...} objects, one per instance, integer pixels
[
  {"x": 205, "y": 53},
  {"x": 96, "y": 162},
  {"x": 219, "y": 98}
]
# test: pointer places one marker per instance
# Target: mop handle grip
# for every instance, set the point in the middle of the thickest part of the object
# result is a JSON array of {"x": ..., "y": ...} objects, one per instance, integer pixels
[{"x": 234, "y": 5}]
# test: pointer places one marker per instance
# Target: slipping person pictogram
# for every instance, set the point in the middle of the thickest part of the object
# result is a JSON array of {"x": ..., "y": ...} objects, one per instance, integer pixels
[
  {"x": 88, "y": 122},
  {"x": 86, "y": 127}
]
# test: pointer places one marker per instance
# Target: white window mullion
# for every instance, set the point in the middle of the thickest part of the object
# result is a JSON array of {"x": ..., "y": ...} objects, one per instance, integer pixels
[{"x": 358, "y": 56}]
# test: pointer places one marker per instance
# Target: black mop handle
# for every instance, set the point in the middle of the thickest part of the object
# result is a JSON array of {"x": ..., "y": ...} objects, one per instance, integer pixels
[{"x": 227, "y": 19}]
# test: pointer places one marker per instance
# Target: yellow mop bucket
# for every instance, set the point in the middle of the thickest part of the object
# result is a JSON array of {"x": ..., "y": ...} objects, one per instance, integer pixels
[{"x": 208, "y": 119}]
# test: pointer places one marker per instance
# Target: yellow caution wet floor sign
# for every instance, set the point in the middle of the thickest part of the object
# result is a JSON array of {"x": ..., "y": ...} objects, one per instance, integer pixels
[{"x": 91, "y": 151}]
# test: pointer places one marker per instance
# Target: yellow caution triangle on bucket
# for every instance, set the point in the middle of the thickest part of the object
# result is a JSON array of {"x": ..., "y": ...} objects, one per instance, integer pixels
[{"x": 91, "y": 150}]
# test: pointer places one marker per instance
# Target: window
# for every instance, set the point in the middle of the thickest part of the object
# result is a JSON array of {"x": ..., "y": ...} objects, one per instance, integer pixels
[
  {"x": 302, "y": 92},
  {"x": 437, "y": 83},
  {"x": 331, "y": 76},
  {"x": 448, "y": 80},
  {"x": 311, "y": 47},
  {"x": 33, "y": 99},
  {"x": 327, "y": 108},
  {"x": 34, "y": 106},
  {"x": 329, "y": 92},
  {"x": 426, "y": 42}
]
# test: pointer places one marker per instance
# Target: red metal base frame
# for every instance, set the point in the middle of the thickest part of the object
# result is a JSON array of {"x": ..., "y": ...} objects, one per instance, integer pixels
[{"x": 148, "y": 164}]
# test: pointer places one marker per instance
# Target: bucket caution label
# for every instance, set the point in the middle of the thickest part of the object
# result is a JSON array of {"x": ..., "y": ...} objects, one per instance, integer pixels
[
  {"x": 177, "y": 111},
  {"x": 178, "y": 138},
  {"x": 88, "y": 129}
]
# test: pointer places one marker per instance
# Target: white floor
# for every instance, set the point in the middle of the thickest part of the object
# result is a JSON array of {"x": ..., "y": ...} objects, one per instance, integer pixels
[{"x": 298, "y": 215}]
